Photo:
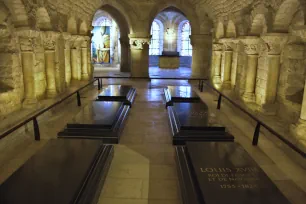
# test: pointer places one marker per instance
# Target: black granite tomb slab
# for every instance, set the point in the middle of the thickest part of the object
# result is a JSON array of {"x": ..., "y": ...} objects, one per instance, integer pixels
[
  {"x": 63, "y": 171},
  {"x": 223, "y": 173},
  {"x": 121, "y": 93},
  {"x": 189, "y": 122},
  {"x": 102, "y": 120},
  {"x": 180, "y": 94}
]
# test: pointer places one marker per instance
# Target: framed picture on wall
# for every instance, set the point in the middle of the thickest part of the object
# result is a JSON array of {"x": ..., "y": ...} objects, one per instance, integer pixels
[{"x": 101, "y": 45}]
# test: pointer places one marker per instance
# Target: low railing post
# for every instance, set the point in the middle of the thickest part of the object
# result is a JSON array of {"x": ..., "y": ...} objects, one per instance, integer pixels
[
  {"x": 199, "y": 85},
  {"x": 79, "y": 99},
  {"x": 202, "y": 85},
  {"x": 256, "y": 134},
  {"x": 36, "y": 129},
  {"x": 219, "y": 102},
  {"x": 99, "y": 84}
]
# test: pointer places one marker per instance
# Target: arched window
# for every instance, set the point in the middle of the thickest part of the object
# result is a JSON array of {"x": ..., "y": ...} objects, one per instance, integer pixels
[
  {"x": 103, "y": 21},
  {"x": 156, "y": 44},
  {"x": 184, "y": 45}
]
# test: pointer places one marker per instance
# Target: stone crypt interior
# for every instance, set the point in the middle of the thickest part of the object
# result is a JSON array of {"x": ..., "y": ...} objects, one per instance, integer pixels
[{"x": 236, "y": 66}]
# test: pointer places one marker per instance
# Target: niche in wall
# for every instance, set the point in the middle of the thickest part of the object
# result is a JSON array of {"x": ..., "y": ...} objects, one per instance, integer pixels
[{"x": 105, "y": 46}]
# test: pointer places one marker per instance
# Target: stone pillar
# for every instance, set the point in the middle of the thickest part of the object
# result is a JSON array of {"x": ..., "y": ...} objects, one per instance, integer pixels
[
  {"x": 27, "y": 40},
  {"x": 273, "y": 44},
  {"x": 139, "y": 56},
  {"x": 67, "y": 38},
  {"x": 60, "y": 72},
  {"x": 216, "y": 63},
  {"x": 234, "y": 64},
  {"x": 251, "y": 49},
  {"x": 49, "y": 40},
  {"x": 201, "y": 52},
  {"x": 125, "y": 55},
  {"x": 89, "y": 64},
  {"x": 298, "y": 130},
  {"x": 226, "y": 66},
  {"x": 76, "y": 58},
  {"x": 84, "y": 53}
]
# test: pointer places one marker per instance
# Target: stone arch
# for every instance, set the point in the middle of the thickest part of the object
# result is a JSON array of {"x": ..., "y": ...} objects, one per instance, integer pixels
[
  {"x": 184, "y": 9},
  {"x": 18, "y": 11},
  {"x": 258, "y": 25},
  {"x": 125, "y": 30},
  {"x": 4, "y": 13},
  {"x": 231, "y": 30},
  {"x": 179, "y": 38},
  {"x": 298, "y": 18},
  {"x": 161, "y": 34},
  {"x": 72, "y": 26},
  {"x": 125, "y": 15},
  {"x": 219, "y": 31},
  {"x": 83, "y": 28},
  {"x": 43, "y": 20},
  {"x": 284, "y": 15}
]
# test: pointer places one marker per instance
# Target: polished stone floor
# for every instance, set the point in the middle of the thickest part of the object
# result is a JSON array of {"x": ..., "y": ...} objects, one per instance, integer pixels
[{"x": 143, "y": 170}]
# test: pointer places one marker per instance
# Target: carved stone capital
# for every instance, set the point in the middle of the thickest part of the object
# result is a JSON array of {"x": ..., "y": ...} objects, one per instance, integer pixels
[
  {"x": 229, "y": 44},
  {"x": 217, "y": 47},
  {"x": 274, "y": 42},
  {"x": 49, "y": 39},
  {"x": 138, "y": 43},
  {"x": 300, "y": 32},
  {"x": 4, "y": 31},
  {"x": 27, "y": 39},
  {"x": 67, "y": 38},
  {"x": 251, "y": 44},
  {"x": 77, "y": 40},
  {"x": 295, "y": 51}
]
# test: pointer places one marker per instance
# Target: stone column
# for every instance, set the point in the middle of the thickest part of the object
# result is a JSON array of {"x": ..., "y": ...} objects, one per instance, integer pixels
[
  {"x": 273, "y": 44},
  {"x": 251, "y": 49},
  {"x": 76, "y": 58},
  {"x": 125, "y": 55},
  {"x": 27, "y": 40},
  {"x": 234, "y": 64},
  {"x": 49, "y": 40},
  {"x": 216, "y": 63},
  {"x": 298, "y": 130},
  {"x": 201, "y": 52},
  {"x": 84, "y": 53},
  {"x": 67, "y": 38},
  {"x": 89, "y": 64},
  {"x": 226, "y": 65},
  {"x": 139, "y": 56}
]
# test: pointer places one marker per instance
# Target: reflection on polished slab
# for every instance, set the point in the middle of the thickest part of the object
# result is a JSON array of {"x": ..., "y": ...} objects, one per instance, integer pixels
[
  {"x": 189, "y": 122},
  {"x": 99, "y": 120},
  {"x": 121, "y": 93},
  {"x": 223, "y": 173},
  {"x": 180, "y": 94},
  {"x": 64, "y": 171}
]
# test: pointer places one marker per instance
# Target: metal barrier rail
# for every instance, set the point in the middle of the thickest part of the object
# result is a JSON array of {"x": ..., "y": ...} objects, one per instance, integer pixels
[
  {"x": 259, "y": 122},
  {"x": 200, "y": 86},
  {"x": 34, "y": 117}
]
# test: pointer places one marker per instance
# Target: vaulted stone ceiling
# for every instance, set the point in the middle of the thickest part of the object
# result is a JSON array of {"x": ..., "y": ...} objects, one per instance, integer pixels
[{"x": 247, "y": 15}]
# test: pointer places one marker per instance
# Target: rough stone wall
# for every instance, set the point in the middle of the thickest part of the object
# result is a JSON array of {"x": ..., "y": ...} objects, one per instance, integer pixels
[
  {"x": 261, "y": 78},
  {"x": 241, "y": 71},
  {"x": 291, "y": 86}
]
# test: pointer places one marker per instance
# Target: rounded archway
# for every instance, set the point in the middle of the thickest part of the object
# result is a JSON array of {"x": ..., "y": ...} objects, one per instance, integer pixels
[
  {"x": 170, "y": 49},
  {"x": 110, "y": 42}
]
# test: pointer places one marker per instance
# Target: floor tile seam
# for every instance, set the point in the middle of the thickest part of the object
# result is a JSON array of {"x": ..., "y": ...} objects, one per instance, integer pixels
[{"x": 144, "y": 178}]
